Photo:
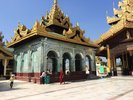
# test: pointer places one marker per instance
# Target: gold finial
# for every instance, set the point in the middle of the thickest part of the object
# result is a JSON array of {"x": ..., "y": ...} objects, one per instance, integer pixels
[
  {"x": 106, "y": 13},
  {"x": 77, "y": 24},
  {"x": 113, "y": 4},
  {"x": 55, "y": 1}
]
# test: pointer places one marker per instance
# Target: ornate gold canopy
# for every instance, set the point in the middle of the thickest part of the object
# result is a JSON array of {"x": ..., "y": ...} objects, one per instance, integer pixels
[
  {"x": 123, "y": 18},
  {"x": 55, "y": 21}
]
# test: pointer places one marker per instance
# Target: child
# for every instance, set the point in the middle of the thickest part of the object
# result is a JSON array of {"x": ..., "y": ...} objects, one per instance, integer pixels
[{"x": 12, "y": 80}]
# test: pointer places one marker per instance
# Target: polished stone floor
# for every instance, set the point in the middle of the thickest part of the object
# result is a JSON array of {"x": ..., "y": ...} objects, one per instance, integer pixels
[{"x": 115, "y": 88}]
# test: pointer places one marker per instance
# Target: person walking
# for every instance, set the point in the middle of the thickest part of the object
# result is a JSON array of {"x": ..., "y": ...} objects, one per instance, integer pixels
[
  {"x": 61, "y": 77},
  {"x": 87, "y": 72},
  {"x": 12, "y": 80}
]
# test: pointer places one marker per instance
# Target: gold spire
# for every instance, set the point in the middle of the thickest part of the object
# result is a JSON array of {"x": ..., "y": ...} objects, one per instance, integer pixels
[
  {"x": 57, "y": 17},
  {"x": 55, "y": 2}
]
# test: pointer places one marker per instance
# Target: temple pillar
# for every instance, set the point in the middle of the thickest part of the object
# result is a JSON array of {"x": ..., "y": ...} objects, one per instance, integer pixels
[
  {"x": 29, "y": 61},
  {"x": 45, "y": 63},
  {"x": 113, "y": 65},
  {"x": 15, "y": 63},
  {"x": 83, "y": 64},
  {"x": 73, "y": 61},
  {"x": 44, "y": 52},
  {"x": 73, "y": 64},
  {"x": 126, "y": 61},
  {"x": 5, "y": 66},
  {"x": 123, "y": 61},
  {"x": 115, "y": 62},
  {"x": 58, "y": 65},
  {"x": 42, "y": 56},
  {"x": 108, "y": 57}
]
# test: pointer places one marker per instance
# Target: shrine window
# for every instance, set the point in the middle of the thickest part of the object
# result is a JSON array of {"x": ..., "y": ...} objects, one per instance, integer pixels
[{"x": 118, "y": 62}]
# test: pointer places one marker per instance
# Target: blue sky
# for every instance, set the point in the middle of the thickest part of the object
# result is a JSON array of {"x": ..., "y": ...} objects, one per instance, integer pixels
[{"x": 90, "y": 14}]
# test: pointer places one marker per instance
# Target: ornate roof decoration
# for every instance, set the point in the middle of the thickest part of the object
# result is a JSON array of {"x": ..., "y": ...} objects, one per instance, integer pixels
[
  {"x": 38, "y": 28},
  {"x": 20, "y": 32},
  {"x": 1, "y": 39},
  {"x": 55, "y": 20},
  {"x": 5, "y": 53},
  {"x": 56, "y": 17},
  {"x": 76, "y": 33},
  {"x": 125, "y": 12},
  {"x": 123, "y": 18}
]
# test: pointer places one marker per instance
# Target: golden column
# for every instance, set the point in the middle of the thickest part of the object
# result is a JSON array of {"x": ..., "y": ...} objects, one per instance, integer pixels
[{"x": 108, "y": 57}]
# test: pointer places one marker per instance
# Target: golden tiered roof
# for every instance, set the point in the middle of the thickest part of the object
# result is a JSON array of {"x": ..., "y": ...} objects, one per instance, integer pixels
[
  {"x": 54, "y": 19},
  {"x": 4, "y": 52},
  {"x": 122, "y": 19}
]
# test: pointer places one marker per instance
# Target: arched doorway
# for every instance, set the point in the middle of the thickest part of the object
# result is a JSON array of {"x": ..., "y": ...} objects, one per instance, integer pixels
[
  {"x": 78, "y": 62},
  {"x": 52, "y": 61},
  {"x": 88, "y": 62},
  {"x": 1, "y": 68},
  {"x": 66, "y": 62}
]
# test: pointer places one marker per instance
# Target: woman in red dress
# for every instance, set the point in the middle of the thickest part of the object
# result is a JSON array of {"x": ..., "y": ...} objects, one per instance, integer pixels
[{"x": 61, "y": 77}]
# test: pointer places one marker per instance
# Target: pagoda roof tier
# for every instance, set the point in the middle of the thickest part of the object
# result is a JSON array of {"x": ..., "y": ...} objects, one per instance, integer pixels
[
  {"x": 5, "y": 53},
  {"x": 54, "y": 25},
  {"x": 40, "y": 30},
  {"x": 56, "y": 17},
  {"x": 122, "y": 19}
]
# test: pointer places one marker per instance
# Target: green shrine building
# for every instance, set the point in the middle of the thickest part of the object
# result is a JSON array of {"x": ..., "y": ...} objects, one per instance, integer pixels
[{"x": 54, "y": 44}]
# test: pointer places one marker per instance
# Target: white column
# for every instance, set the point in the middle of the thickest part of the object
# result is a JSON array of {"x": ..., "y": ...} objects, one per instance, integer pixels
[
  {"x": 73, "y": 64},
  {"x": 5, "y": 65}
]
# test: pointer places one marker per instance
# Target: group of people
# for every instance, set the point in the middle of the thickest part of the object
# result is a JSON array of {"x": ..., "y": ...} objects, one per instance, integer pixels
[{"x": 45, "y": 77}]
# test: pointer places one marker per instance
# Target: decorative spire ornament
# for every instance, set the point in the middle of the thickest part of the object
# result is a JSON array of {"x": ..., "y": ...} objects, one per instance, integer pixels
[{"x": 55, "y": 2}]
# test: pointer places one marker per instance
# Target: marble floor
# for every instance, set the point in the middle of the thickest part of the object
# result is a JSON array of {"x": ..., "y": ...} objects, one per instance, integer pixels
[{"x": 115, "y": 88}]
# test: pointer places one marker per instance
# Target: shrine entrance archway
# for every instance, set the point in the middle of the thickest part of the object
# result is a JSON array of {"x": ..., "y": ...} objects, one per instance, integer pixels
[
  {"x": 66, "y": 62},
  {"x": 78, "y": 62},
  {"x": 52, "y": 61}
]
